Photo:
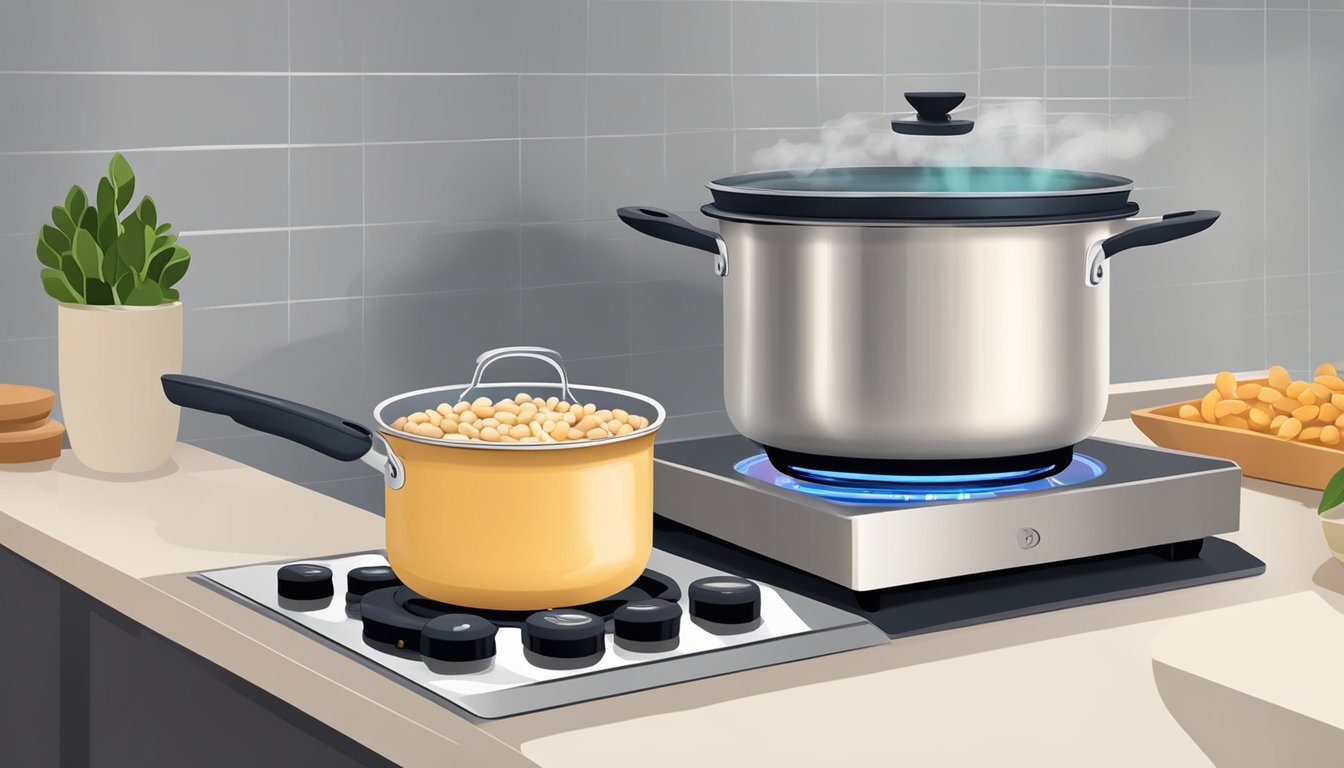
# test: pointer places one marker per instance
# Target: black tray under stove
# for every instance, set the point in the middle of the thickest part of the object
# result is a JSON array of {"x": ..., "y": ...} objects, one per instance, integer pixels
[{"x": 980, "y": 598}]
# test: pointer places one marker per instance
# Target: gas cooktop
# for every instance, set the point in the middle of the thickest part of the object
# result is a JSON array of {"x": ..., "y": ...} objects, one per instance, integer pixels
[{"x": 679, "y": 621}]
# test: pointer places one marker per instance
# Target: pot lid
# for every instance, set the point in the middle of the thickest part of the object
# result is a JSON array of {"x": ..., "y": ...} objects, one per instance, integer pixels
[{"x": 925, "y": 193}]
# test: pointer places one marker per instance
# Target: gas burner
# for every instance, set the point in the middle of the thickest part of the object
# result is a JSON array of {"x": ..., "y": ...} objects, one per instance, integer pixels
[
  {"x": 989, "y": 472},
  {"x": 395, "y": 617},
  {"x": 861, "y": 488}
]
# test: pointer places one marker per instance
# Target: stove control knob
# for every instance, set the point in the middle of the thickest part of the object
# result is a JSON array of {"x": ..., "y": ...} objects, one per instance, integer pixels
[
  {"x": 457, "y": 637},
  {"x": 648, "y": 621},
  {"x": 304, "y": 581},
  {"x": 725, "y": 600},
  {"x": 362, "y": 581},
  {"x": 564, "y": 634}
]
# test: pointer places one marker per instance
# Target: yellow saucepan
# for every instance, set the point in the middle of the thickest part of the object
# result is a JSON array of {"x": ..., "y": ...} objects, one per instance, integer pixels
[{"x": 515, "y": 526}]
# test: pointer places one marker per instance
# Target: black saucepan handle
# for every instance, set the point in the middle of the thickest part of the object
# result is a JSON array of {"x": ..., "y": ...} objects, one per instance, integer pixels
[
  {"x": 1173, "y": 226},
  {"x": 665, "y": 225},
  {"x": 319, "y": 430}
]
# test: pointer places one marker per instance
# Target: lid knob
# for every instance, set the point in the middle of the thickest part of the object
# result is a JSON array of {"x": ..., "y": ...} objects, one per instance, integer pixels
[{"x": 934, "y": 110}]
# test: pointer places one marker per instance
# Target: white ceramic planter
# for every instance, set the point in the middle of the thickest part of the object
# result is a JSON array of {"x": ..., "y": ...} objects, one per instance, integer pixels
[{"x": 110, "y": 361}]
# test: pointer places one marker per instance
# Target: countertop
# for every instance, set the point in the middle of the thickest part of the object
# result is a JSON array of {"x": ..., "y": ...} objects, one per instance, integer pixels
[{"x": 1067, "y": 688}]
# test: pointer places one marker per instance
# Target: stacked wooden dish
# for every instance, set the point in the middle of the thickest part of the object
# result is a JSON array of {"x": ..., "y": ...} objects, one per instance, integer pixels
[{"x": 26, "y": 434}]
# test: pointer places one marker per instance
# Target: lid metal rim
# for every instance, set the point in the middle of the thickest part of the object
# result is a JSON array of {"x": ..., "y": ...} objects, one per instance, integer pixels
[
  {"x": 1130, "y": 210},
  {"x": 387, "y": 429},
  {"x": 1123, "y": 185}
]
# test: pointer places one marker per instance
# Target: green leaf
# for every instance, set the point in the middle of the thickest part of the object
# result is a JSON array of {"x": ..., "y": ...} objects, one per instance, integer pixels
[
  {"x": 146, "y": 294},
  {"x": 147, "y": 213},
  {"x": 131, "y": 246},
  {"x": 88, "y": 256},
  {"x": 107, "y": 199},
  {"x": 170, "y": 294},
  {"x": 61, "y": 218},
  {"x": 176, "y": 268},
  {"x": 75, "y": 202},
  {"x": 123, "y": 286},
  {"x": 58, "y": 287},
  {"x": 123, "y": 178},
  {"x": 112, "y": 266},
  {"x": 70, "y": 268},
  {"x": 164, "y": 227},
  {"x": 1333, "y": 496},
  {"x": 109, "y": 230},
  {"x": 54, "y": 237},
  {"x": 97, "y": 292},
  {"x": 89, "y": 221},
  {"x": 49, "y": 256}
]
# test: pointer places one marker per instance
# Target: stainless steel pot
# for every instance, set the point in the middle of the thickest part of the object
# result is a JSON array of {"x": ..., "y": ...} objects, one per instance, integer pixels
[{"x": 915, "y": 343}]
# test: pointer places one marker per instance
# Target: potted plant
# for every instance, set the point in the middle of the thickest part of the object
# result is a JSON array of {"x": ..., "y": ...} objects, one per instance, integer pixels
[
  {"x": 119, "y": 322},
  {"x": 1331, "y": 510}
]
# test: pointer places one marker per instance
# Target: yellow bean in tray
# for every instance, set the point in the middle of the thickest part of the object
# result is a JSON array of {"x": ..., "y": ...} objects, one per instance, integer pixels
[
  {"x": 521, "y": 419},
  {"x": 1306, "y": 411}
]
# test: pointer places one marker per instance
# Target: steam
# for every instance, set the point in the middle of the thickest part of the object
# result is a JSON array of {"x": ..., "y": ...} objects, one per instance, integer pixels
[{"x": 1006, "y": 134}]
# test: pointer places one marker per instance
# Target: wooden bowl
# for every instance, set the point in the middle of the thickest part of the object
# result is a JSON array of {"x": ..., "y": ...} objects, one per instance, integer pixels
[{"x": 1259, "y": 454}]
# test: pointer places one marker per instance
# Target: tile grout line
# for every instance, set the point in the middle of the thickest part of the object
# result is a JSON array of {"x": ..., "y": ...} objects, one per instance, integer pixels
[{"x": 289, "y": 172}]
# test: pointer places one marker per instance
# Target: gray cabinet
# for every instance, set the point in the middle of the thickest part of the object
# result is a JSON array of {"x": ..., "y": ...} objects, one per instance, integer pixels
[{"x": 85, "y": 686}]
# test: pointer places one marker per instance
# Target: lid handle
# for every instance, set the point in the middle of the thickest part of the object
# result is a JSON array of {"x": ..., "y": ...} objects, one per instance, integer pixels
[
  {"x": 544, "y": 354},
  {"x": 934, "y": 110}
]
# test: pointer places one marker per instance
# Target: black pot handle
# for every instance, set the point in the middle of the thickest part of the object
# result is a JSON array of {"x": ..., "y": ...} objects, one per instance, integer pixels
[
  {"x": 1173, "y": 226},
  {"x": 309, "y": 427},
  {"x": 665, "y": 225}
]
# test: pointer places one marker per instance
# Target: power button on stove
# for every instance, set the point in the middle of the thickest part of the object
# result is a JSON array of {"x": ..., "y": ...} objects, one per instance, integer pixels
[{"x": 1028, "y": 538}]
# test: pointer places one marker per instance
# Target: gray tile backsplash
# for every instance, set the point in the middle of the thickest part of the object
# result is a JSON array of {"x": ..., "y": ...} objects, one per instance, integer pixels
[{"x": 375, "y": 191}]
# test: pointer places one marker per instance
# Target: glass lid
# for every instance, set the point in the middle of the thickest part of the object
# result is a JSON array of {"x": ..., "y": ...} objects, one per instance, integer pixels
[{"x": 924, "y": 181}]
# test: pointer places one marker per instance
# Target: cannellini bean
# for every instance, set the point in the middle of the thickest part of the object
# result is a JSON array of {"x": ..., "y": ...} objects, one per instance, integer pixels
[
  {"x": 524, "y": 419},
  {"x": 1287, "y": 404},
  {"x": 484, "y": 411},
  {"x": 428, "y": 430},
  {"x": 1331, "y": 382},
  {"x": 559, "y": 431},
  {"x": 627, "y": 428},
  {"x": 399, "y": 423},
  {"x": 520, "y": 430},
  {"x": 1329, "y": 413},
  {"x": 548, "y": 425},
  {"x": 589, "y": 409},
  {"x": 506, "y": 418},
  {"x": 1279, "y": 378},
  {"x": 1190, "y": 413},
  {"x": 603, "y": 415},
  {"x": 469, "y": 431},
  {"x": 448, "y": 424},
  {"x": 562, "y": 406},
  {"x": 1309, "y": 433},
  {"x": 1208, "y": 405},
  {"x": 1248, "y": 391},
  {"x": 490, "y": 422},
  {"x": 410, "y": 427},
  {"x": 521, "y": 397},
  {"x": 510, "y": 408},
  {"x": 575, "y": 434},
  {"x": 1236, "y": 422},
  {"x": 621, "y": 415},
  {"x": 530, "y": 440},
  {"x": 1330, "y": 435},
  {"x": 1295, "y": 389},
  {"x": 597, "y": 433},
  {"x": 1306, "y": 413},
  {"x": 551, "y": 402},
  {"x": 1269, "y": 395},
  {"x": 507, "y": 439},
  {"x": 490, "y": 435},
  {"x": 462, "y": 406},
  {"x": 444, "y": 409},
  {"x": 418, "y": 418},
  {"x": 1326, "y": 369},
  {"x": 1290, "y": 428},
  {"x": 467, "y": 417},
  {"x": 613, "y": 426},
  {"x": 1307, "y": 397},
  {"x": 569, "y": 418},
  {"x": 1321, "y": 391},
  {"x": 535, "y": 429},
  {"x": 587, "y": 423},
  {"x": 1337, "y": 400},
  {"x": 1226, "y": 384},
  {"x": 1278, "y": 421},
  {"x": 1229, "y": 408},
  {"x": 1258, "y": 418},
  {"x": 1340, "y": 422},
  {"x": 456, "y": 437}
]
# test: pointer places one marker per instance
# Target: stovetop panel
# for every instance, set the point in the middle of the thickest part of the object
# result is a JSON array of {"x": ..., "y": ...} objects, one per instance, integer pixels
[{"x": 792, "y": 627}]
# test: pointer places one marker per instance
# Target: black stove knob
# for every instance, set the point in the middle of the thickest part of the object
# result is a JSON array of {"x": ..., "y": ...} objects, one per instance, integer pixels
[
  {"x": 362, "y": 581},
  {"x": 457, "y": 637},
  {"x": 725, "y": 600},
  {"x": 304, "y": 581},
  {"x": 564, "y": 634},
  {"x": 648, "y": 621}
]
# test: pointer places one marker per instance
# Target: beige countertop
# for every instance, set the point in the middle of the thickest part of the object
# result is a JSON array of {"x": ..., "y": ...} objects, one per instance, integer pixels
[{"x": 1067, "y": 688}]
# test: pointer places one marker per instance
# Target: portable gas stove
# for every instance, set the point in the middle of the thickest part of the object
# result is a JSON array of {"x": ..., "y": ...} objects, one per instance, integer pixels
[{"x": 754, "y": 567}]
